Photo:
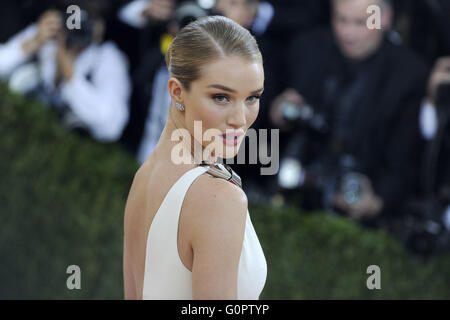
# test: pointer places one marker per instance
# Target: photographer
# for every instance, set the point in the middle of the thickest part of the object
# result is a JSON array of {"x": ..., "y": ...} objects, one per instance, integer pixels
[
  {"x": 352, "y": 106},
  {"x": 85, "y": 80},
  {"x": 150, "y": 99},
  {"x": 428, "y": 215},
  {"x": 140, "y": 13},
  {"x": 25, "y": 44},
  {"x": 139, "y": 24}
]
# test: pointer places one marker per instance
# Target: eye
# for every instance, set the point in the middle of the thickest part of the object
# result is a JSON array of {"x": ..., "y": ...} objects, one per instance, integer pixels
[
  {"x": 220, "y": 98},
  {"x": 253, "y": 99}
]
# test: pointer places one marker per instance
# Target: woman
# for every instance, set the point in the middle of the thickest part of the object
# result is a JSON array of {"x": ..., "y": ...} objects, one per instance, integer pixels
[{"x": 188, "y": 235}]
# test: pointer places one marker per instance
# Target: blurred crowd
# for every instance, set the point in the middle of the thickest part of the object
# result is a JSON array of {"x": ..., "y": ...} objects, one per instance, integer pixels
[{"x": 362, "y": 111}]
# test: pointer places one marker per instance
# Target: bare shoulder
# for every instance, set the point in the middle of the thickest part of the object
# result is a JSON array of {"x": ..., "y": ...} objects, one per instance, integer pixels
[
  {"x": 216, "y": 213},
  {"x": 214, "y": 205},
  {"x": 212, "y": 197}
]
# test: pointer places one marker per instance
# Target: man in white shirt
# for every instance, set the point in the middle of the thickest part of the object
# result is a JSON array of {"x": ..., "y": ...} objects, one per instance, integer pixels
[
  {"x": 92, "y": 82},
  {"x": 151, "y": 98},
  {"x": 431, "y": 116}
]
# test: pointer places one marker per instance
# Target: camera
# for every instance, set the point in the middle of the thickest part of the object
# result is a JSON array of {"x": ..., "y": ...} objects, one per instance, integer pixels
[
  {"x": 423, "y": 229},
  {"x": 304, "y": 116},
  {"x": 351, "y": 187},
  {"x": 344, "y": 178},
  {"x": 292, "y": 173},
  {"x": 326, "y": 177}
]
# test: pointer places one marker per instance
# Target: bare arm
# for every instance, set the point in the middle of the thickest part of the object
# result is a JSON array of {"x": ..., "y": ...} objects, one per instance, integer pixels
[
  {"x": 129, "y": 283},
  {"x": 48, "y": 25},
  {"x": 218, "y": 223}
]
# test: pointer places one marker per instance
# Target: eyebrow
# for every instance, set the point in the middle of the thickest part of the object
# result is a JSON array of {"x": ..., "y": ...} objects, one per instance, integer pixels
[{"x": 218, "y": 86}]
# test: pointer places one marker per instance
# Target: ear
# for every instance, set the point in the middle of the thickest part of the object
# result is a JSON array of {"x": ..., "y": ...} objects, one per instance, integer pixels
[
  {"x": 99, "y": 30},
  {"x": 176, "y": 90}
]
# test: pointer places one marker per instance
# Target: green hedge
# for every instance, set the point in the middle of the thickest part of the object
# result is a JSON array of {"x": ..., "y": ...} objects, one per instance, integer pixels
[
  {"x": 62, "y": 199},
  {"x": 322, "y": 256}
]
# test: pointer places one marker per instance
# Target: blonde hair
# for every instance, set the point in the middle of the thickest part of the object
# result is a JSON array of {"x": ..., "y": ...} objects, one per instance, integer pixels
[{"x": 206, "y": 40}]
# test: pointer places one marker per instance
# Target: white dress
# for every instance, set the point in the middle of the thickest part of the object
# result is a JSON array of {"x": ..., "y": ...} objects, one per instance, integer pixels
[{"x": 166, "y": 277}]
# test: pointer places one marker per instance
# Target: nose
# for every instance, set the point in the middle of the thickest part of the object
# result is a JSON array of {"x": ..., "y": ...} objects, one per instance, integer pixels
[
  {"x": 237, "y": 117},
  {"x": 349, "y": 32}
]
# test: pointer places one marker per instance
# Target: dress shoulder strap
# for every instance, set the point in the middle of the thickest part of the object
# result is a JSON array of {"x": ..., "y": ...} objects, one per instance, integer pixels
[
  {"x": 219, "y": 170},
  {"x": 177, "y": 193},
  {"x": 164, "y": 227}
]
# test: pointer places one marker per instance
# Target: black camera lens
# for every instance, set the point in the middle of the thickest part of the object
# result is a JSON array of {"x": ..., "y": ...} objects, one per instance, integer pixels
[
  {"x": 351, "y": 188},
  {"x": 304, "y": 115}
]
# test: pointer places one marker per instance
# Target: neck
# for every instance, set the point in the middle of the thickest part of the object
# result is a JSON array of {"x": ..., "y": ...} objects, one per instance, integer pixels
[{"x": 184, "y": 142}]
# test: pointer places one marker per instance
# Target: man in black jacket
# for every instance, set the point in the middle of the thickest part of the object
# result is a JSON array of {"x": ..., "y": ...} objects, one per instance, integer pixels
[{"x": 368, "y": 90}]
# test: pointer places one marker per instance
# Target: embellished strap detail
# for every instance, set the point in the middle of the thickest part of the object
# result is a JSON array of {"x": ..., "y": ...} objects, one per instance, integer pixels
[{"x": 219, "y": 170}]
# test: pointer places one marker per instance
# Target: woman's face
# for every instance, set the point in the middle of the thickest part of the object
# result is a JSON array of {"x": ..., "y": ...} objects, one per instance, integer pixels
[
  {"x": 226, "y": 101},
  {"x": 241, "y": 11}
]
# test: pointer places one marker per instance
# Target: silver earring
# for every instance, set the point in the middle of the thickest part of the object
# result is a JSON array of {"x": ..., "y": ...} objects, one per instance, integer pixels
[{"x": 179, "y": 106}]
